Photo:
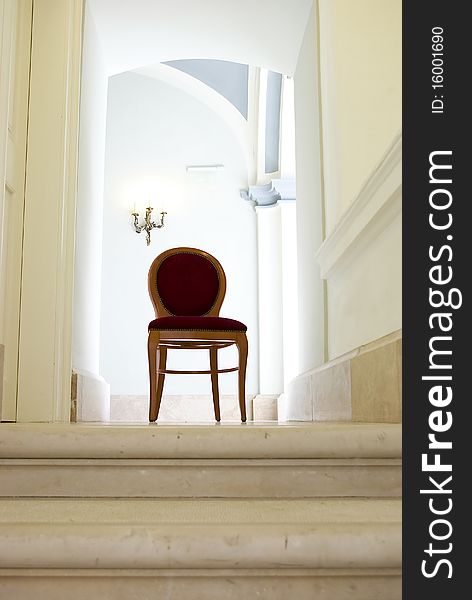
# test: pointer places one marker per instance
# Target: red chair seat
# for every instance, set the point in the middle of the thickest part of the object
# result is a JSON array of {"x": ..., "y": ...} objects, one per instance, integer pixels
[{"x": 197, "y": 323}]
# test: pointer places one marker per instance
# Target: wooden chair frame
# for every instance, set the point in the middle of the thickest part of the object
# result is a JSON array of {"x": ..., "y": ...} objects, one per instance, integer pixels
[{"x": 160, "y": 341}]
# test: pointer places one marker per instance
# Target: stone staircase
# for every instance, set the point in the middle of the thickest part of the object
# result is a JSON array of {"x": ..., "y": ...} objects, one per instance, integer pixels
[{"x": 200, "y": 511}]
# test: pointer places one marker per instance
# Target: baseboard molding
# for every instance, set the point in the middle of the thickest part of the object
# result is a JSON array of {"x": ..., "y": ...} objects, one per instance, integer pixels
[
  {"x": 264, "y": 407},
  {"x": 364, "y": 385},
  {"x": 90, "y": 397}
]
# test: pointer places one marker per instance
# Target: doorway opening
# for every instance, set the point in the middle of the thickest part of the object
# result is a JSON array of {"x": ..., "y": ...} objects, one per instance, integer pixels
[{"x": 211, "y": 142}]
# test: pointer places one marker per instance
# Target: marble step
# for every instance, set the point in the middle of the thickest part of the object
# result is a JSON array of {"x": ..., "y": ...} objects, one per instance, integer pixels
[
  {"x": 233, "y": 478},
  {"x": 286, "y": 461},
  {"x": 200, "y": 548},
  {"x": 249, "y": 440}
]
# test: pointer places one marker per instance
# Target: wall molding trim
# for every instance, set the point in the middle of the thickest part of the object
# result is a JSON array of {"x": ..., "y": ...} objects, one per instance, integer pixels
[{"x": 375, "y": 207}]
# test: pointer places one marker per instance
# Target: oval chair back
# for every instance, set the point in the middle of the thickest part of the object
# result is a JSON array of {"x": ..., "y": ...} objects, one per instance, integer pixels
[{"x": 186, "y": 282}]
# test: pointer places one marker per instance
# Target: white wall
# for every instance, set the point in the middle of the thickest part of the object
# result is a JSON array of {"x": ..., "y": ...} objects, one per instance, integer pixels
[
  {"x": 287, "y": 133},
  {"x": 153, "y": 131},
  {"x": 360, "y": 58},
  {"x": 139, "y": 32},
  {"x": 244, "y": 131},
  {"x": 89, "y": 226},
  {"x": 309, "y": 201}
]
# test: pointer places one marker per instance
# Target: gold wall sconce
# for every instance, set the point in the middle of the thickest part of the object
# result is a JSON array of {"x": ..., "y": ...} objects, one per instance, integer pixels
[{"x": 148, "y": 225}]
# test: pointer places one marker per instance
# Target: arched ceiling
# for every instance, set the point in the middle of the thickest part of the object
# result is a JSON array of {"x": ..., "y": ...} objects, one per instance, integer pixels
[
  {"x": 135, "y": 33},
  {"x": 230, "y": 79}
]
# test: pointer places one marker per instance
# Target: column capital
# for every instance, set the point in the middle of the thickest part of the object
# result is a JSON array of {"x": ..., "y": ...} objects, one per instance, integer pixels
[
  {"x": 261, "y": 195},
  {"x": 269, "y": 194}
]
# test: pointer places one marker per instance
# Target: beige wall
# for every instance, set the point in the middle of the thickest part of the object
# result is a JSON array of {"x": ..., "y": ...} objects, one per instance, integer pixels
[
  {"x": 49, "y": 222},
  {"x": 360, "y": 82},
  {"x": 360, "y": 60},
  {"x": 15, "y": 49}
]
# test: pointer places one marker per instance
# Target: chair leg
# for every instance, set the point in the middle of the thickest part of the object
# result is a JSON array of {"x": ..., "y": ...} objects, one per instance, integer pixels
[
  {"x": 214, "y": 381},
  {"x": 160, "y": 377},
  {"x": 241, "y": 343},
  {"x": 153, "y": 343}
]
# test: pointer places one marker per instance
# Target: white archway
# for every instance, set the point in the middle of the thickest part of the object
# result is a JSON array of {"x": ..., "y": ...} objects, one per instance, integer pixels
[{"x": 266, "y": 33}]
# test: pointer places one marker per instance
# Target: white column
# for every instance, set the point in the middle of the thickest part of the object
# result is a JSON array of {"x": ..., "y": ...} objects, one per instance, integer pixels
[
  {"x": 289, "y": 289},
  {"x": 269, "y": 243},
  {"x": 89, "y": 222}
]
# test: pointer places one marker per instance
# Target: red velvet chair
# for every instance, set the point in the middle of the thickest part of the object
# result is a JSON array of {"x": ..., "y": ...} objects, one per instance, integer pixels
[{"x": 187, "y": 288}]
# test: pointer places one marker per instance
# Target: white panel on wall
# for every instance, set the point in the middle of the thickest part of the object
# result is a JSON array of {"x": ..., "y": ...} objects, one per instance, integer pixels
[
  {"x": 154, "y": 131},
  {"x": 365, "y": 295},
  {"x": 362, "y": 259}
]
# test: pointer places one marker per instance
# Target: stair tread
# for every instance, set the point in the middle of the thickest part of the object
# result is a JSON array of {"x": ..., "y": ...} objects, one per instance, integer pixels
[
  {"x": 203, "y": 533},
  {"x": 198, "y": 511},
  {"x": 251, "y": 440}
]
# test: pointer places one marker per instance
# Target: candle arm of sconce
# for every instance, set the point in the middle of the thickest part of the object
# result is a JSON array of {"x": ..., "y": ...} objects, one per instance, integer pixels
[
  {"x": 138, "y": 228},
  {"x": 161, "y": 222}
]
